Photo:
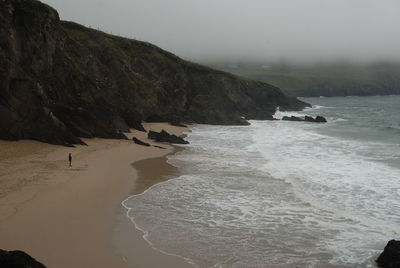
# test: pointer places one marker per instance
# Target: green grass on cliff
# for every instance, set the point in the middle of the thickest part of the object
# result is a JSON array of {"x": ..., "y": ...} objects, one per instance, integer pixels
[
  {"x": 128, "y": 49},
  {"x": 92, "y": 39}
]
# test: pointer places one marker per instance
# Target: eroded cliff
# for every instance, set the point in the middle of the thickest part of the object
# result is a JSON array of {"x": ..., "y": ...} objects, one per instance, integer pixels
[{"x": 60, "y": 81}]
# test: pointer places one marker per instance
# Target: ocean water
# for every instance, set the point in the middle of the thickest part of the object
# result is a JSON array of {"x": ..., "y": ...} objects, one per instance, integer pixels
[{"x": 283, "y": 194}]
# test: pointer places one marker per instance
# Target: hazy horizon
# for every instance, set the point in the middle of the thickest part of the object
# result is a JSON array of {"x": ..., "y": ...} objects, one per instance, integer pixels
[{"x": 256, "y": 30}]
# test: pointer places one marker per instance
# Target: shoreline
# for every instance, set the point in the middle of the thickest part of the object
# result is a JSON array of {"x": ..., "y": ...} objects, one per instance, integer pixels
[
  {"x": 141, "y": 257},
  {"x": 65, "y": 217}
]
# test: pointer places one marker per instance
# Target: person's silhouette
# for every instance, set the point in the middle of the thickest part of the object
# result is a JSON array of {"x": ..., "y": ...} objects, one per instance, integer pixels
[{"x": 70, "y": 159}]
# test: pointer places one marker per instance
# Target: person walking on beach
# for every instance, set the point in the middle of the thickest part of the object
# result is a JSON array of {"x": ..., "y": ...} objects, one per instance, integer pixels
[{"x": 70, "y": 159}]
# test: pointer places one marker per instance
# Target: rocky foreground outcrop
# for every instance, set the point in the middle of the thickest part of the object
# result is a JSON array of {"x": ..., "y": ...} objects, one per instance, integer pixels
[
  {"x": 390, "y": 257},
  {"x": 60, "y": 81},
  {"x": 18, "y": 259}
]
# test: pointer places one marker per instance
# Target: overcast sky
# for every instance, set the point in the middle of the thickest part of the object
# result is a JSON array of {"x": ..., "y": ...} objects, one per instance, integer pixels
[{"x": 204, "y": 30}]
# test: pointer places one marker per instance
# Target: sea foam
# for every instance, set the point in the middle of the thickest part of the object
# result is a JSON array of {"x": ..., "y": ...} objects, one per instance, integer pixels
[{"x": 274, "y": 194}]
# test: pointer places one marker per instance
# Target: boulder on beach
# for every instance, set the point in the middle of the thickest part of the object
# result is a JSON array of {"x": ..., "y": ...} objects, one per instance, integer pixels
[
  {"x": 390, "y": 257},
  {"x": 18, "y": 259},
  {"x": 177, "y": 124},
  {"x": 139, "y": 142},
  {"x": 164, "y": 136}
]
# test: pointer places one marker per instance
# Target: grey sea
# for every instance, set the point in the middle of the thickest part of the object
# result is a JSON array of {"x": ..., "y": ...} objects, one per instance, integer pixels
[{"x": 283, "y": 194}]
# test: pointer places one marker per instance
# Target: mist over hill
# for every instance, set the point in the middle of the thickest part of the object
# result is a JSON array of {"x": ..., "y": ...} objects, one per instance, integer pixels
[{"x": 300, "y": 30}]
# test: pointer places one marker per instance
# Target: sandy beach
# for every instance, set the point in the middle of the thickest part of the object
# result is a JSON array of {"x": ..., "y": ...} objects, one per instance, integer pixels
[{"x": 72, "y": 216}]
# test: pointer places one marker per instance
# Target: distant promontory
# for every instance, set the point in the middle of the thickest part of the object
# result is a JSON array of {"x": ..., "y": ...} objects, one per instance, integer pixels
[{"x": 330, "y": 79}]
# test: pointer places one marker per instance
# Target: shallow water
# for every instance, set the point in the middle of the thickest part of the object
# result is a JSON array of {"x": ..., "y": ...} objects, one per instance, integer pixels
[{"x": 283, "y": 194}]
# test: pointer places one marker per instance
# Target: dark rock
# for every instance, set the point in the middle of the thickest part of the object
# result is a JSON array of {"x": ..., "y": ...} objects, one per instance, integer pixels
[
  {"x": 156, "y": 118},
  {"x": 292, "y": 118},
  {"x": 158, "y": 147},
  {"x": 18, "y": 259},
  {"x": 120, "y": 135},
  {"x": 177, "y": 124},
  {"x": 138, "y": 126},
  {"x": 60, "y": 81},
  {"x": 320, "y": 119},
  {"x": 286, "y": 118},
  {"x": 137, "y": 141},
  {"x": 390, "y": 257},
  {"x": 164, "y": 136},
  {"x": 153, "y": 135},
  {"x": 121, "y": 125},
  {"x": 309, "y": 119}
]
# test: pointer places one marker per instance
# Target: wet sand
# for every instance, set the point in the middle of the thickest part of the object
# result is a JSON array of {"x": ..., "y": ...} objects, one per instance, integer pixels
[
  {"x": 71, "y": 216},
  {"x": 149, "y": 172}
]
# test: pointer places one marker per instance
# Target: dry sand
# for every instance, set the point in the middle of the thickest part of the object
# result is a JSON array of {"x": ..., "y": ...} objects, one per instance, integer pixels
[{"x": 72, "y": 216}]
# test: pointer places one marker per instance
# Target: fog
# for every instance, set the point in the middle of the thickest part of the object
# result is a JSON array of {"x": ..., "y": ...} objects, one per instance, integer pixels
[{"x": 262, "y": 30}]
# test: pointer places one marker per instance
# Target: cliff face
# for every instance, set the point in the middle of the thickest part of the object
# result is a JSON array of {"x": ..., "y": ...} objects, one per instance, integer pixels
[{"x": 60, "y": 81}]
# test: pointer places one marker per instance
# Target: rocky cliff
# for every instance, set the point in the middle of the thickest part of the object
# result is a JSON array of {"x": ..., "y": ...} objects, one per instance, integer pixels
[{"x": 60, "y": 81}]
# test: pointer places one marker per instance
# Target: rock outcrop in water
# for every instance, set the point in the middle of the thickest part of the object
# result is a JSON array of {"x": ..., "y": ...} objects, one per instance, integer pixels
[
  {"x": 292, "y": 118},
  {"x": 318, "y": 119},
  {"x": 390, "y": 257},
  {"x": 60, "y": 81},
  {"x": 18, "y": 259}
]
